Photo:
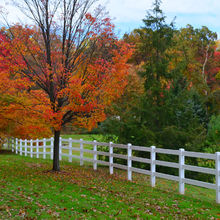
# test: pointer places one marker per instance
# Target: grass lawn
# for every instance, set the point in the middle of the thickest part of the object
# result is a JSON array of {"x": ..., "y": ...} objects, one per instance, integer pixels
[
  {"x": 29, "y": 190},
  {"x": 85, "y": 137}
]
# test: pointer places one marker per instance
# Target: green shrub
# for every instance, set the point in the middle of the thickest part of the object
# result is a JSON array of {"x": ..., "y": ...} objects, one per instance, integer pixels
[
  {"x": 212, "y": 149},
  {"x": 213, "y": 135}
]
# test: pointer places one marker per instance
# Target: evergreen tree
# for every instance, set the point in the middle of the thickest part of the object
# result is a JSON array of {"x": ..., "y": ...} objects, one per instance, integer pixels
[
  {"x": 156, "y": 38},
  {"x": 168, "y": 113}
]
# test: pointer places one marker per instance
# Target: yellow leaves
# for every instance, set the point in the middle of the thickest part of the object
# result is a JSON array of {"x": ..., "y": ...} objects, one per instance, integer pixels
[
  {"x": 18, "y": 120},
  {"x": 218, "y": 76},
  {"x": 96, "y": 116}
]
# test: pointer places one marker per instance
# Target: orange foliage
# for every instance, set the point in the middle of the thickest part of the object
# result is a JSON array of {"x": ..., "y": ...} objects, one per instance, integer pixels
[
  {"x": 19, "y": 112},
  {"x": 38, "y": 96}
]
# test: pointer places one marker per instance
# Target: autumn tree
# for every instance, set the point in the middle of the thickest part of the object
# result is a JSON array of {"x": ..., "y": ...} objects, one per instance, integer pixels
[
  {"x": 196, "y": 53},
  {"x": 71, "y": 63},
  {"x": 197, "y": 47},
  {"x": 16, "y": 119}
]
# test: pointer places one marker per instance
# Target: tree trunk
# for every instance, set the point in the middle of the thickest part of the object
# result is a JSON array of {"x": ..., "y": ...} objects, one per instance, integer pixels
[{"x": 56, "y": 162}]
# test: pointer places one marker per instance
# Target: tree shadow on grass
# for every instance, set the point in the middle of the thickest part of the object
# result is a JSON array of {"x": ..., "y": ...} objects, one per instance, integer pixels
[{"x": 6, "y": 152}]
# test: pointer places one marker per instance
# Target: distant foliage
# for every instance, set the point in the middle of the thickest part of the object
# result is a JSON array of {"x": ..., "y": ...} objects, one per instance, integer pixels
[
  {"x": 177, "y": 69},
  {"x": 214, "y": 130}
]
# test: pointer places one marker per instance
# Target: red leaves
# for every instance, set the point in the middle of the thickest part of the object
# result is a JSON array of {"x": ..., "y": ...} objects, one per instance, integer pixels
[
  {"x": 90, "y": 18},
  {"x": 214, "y": 68},
  {"x": 45, "y": 95}
]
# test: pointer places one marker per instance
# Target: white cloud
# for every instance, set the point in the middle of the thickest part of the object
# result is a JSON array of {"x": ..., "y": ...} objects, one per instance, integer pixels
[
  {"x": 129, "y": 12},
  {"x": 195, "y": 12},
  {"x": 191, "y": 6},
  {"x": 133, "y": 10},
  {"x": 12, "y": 13}
]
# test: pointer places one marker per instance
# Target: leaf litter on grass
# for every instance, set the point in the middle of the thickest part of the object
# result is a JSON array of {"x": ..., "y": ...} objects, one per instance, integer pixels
[{"x": 81, "y": 192}]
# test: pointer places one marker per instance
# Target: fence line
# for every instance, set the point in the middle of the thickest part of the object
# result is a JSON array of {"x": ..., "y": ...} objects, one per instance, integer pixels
[
  {"x": 6, "y": 143},
  {"x": 44, "y": 147}
]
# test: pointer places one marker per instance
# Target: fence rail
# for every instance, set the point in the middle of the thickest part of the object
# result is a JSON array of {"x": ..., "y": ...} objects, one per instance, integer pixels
[{"x": 69, "y": 149}]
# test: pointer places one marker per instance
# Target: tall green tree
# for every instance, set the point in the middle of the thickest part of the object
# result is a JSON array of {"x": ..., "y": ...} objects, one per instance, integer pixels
[
  {"x": 156, "y": 37},
  {"x": 168, "y": 113}
]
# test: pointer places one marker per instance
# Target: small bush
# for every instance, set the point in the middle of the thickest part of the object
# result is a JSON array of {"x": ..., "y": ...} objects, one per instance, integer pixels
[{"x": 214, "y": 130}]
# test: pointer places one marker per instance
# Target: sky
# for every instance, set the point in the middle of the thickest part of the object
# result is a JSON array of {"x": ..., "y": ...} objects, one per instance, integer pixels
[{"x": 128, "y": 14}]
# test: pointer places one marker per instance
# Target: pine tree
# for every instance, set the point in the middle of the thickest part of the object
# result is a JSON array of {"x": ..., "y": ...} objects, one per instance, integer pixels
[{"x": 156, "y": 38}]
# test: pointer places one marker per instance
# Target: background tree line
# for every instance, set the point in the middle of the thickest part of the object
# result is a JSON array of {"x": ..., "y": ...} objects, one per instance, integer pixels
[
  {"x": 70, "y": 68},
  {"x": 172, "y": 99}
]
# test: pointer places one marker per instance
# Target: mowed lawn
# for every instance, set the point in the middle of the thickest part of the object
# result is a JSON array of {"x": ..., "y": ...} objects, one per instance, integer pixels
[
  {"x": 29, "y": 190},
  {"x": 87, "y": 137}
]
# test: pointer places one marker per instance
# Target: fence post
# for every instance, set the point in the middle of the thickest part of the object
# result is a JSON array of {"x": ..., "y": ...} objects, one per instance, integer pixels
[
  {"x": 181, "y": 171},
  {"x": 95, "y": 155},
  {"x": 31, "y": 146},
  {"x": 60, "y": 149},
  {"x": 13, "y": 145},
  {"x": 70, "y": 149},
  {"x": 25, "y": 147},
  {"x": 16, "y": 145},
  {"x": 81, "y": 152},
  {"x": 8, "y": 142},
  {"x": 153, "y": 166},
  {"x": 129, "y": 162},
  {"x": 37, "y": 148},
  {"x": 44, "y": 148},
  {"x": 217, "y": 167},
  {"x": 110, "y": 158},
  {"x": 51, "y": 148},
  {"x": 20, "y": 147}
]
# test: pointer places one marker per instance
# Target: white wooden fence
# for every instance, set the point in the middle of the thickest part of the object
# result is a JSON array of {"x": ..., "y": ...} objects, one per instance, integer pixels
[
  {"x": 45, "y": 148},
  {"x": 6, "y": 143}
]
